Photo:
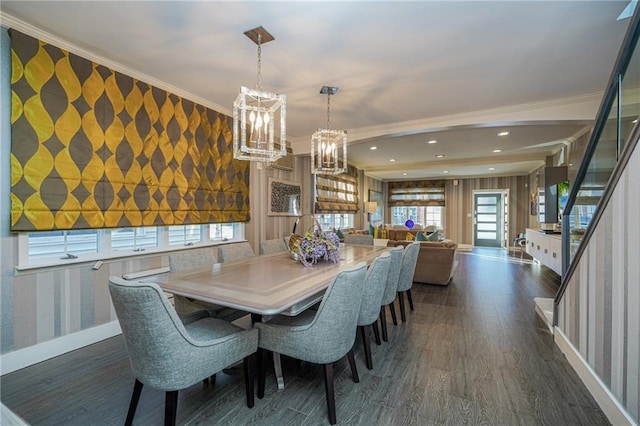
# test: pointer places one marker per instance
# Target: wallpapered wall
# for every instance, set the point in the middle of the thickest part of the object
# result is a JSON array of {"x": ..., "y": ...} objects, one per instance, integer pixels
[{"x": 599, "y": 312}]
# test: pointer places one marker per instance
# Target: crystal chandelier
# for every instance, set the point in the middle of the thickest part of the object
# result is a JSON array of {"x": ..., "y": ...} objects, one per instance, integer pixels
[
  {"x": 329, "y": 147},
  {"x": 257, "y": 116}
]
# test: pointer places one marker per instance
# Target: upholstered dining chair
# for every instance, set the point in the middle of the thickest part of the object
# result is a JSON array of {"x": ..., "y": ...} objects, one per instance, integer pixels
[
  {"x": 321, "y": 337},
  {"x": 374, "y": 285},
  {"x": 391, "y": 289},
  {"x": 237, "y": 251},
  {"x": 405, "y": 281},
  {"x": 363, "y": 240},
  {"x": 184, "y": 260},
  {"x": 272, "y": 246},
  {"x": 170, "y": 355}
]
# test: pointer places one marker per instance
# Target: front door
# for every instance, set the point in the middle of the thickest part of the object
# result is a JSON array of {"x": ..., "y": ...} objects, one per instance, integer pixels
[{"x": 486, "y": 228}]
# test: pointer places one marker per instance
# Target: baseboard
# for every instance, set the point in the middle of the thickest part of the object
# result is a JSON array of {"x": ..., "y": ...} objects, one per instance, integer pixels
[
  {"x": 608, "y": 403},
  {"x": 22, "y": 358}
]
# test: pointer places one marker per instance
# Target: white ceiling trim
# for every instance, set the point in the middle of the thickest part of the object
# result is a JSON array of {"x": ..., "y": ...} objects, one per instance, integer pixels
[{"x": 10, "y": 21}]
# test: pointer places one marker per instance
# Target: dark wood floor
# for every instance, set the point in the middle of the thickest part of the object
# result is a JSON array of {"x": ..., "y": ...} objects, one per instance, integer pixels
[{"x": 473, "y": 352}]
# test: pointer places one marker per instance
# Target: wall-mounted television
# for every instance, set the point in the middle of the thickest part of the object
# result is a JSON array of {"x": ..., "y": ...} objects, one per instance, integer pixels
[{"x": 556, "y": 191}]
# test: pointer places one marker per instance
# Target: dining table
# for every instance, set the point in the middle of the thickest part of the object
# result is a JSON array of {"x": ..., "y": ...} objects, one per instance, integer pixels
[{"x": 265, "y": 285}]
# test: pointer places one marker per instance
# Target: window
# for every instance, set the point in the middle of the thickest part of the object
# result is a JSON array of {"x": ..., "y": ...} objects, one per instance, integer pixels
[
  {"x": 37, "y": 249},
  {"x": 425, "y": 215},
  {"x": 335, "y": 220}
]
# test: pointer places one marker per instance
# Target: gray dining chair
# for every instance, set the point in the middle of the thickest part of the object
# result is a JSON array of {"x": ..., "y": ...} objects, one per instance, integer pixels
[
  {"x": 374, "y": 285},
  {"x": 362, "y": 240},
  {"x": 236, "y": 251},
  {"x": 185, "y": 260},
  {"x": 321, "y": 337},
  {"x": 391, "y": 289},
  {"x": 272, "y": 246},
  {"x": 405, "y": 281},
  {"x": 168, "y": 354}
]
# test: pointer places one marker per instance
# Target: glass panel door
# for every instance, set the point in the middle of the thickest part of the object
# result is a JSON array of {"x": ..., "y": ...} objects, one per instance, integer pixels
[{"x": 486, "y": 228}]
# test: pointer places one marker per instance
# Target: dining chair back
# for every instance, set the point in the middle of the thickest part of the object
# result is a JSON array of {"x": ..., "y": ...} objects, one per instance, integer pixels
[
  {"x": 323, "y": 336},
  {"x": 363, "y": 240},
  {"x": 184, "y": 260},
  {"x": 236, "y": 251},
  {"x": 272, "y": 246},
  {"x": 391, "y": 290},
  {"x": 374, "y": 285},
  {"x": 405, "y": 281},
  {"x": 170, "y": 354}
]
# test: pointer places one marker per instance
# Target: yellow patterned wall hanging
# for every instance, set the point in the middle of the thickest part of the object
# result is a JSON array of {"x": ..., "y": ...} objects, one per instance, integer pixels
[{"x": 93, "y": 148}]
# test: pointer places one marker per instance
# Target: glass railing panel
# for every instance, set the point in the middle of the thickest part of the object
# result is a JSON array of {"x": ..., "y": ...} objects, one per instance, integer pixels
[
  {"x": 592, "y": 187},
  {"x": 630, "y": 97}
]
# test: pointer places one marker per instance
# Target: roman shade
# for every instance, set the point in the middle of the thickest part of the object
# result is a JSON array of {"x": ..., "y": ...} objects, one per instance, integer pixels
[
  {"x": 337, "y": 194},
  {"x": 417, "y": 193},
  {"x": 93, "y": 148}
]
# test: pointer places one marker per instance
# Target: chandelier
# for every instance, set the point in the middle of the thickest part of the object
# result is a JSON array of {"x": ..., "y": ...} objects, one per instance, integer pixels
[
  {"x": 329, "y": 147},
  {"x": 258, "y": 115}
]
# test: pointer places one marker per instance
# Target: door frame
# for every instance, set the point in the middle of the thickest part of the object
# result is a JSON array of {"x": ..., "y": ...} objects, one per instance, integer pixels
[{"x": 504, "y": 224}]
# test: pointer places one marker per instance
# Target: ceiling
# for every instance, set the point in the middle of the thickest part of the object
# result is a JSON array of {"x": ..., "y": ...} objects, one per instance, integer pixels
[{"x": 408, "y": 72}]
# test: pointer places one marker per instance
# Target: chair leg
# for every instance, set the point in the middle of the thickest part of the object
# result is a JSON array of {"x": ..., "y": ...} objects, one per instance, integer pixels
[
  {"x": 262, "y": 373},
  {"x": 376, "y": 332},
  {"x": 367, "y": 347},
  {"x": 135, "y": 397},
  {"x": 383, "y": 323},
  {"x": 352, "y": 364},
  {"x": 170, "y": 408},
  {"x": 248, "y": 381},
  {"x": 401, "y": 301},
  {"x": 410, "y": 299},
  {"x": 329, "y": 392},
  {"x": 392, "y": 308}
]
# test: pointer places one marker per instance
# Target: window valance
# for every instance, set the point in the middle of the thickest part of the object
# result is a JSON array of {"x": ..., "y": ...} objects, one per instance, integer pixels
[
  {"x": 417, "y": 193},
  {"x": 337, "y": 194},
  {"x": 93, "y": 148}
]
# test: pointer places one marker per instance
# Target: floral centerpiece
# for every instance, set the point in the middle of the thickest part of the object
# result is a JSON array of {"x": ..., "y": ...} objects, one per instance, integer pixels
[{"x": 315, "y": 246}]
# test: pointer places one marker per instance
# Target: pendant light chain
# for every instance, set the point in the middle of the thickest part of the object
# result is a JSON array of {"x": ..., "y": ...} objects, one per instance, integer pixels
[
  {"x": 258, "y": 83},
  {"x": 328, "y": 109}
]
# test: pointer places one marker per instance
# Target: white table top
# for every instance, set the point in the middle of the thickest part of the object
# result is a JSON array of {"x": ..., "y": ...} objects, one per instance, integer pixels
[{"x": 265, "y": 285}]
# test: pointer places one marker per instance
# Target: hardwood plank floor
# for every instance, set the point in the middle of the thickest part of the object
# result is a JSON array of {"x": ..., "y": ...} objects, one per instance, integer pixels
[{"x": 473, "y": 352}]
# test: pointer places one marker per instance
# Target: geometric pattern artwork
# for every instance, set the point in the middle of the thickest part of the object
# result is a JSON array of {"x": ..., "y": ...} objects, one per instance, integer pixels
[{"x": 93, "y": 148}]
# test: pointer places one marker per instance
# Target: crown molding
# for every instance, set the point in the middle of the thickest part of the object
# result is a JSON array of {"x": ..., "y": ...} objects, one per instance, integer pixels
[{"x": 10, "y": 21}]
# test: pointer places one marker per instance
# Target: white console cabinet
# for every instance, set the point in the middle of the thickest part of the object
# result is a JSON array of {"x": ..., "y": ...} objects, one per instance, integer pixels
[{"x": 547, "y": 248}]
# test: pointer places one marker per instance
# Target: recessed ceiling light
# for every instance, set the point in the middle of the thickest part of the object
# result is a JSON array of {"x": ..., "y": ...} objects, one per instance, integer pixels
[
  {"x": 445, "y": 171},
  {"x": 633, "y": 122},
  {"x": 392, "y": 159},
  {"x": 503, "y": 134},
  {"x": 439, "y": 156},
  {"x": 404, "y": 174},
  {"x": 373, "y": 148},
  {"x": 491, "y": 168},
  {"x": 431, "y": 142},
  {"x": 497, "y": 150}
]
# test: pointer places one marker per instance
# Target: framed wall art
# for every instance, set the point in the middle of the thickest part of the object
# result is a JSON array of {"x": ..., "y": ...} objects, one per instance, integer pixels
[{"x": 284, "y": 198}]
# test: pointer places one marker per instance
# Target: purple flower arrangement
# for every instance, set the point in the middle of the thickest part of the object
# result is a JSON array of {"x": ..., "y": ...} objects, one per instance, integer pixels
[{"x": 315, "y": 246}]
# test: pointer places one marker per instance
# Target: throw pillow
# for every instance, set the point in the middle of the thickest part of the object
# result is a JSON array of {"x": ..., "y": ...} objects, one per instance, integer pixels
[
  {"x": 382, "y": 233},
  {"x": 421, "y": 237},
  {"x": 340, "y": 234},
  {"x": 434, "y": 236},
  {"x": 410, "y": 236},
  {"x": 372, "y": 230}
]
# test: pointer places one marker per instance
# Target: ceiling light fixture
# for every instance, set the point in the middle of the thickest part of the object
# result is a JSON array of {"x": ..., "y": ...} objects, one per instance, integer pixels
[
  {"x": 496, "y": 150},
  {"x": 503, "y": 134},
  {"x": 329, "y": 147},
  {"x": 445, "y": 171},
  {"x": 431, "y": 142},
  {"x": 404, "y": 173},
  {"x": 492, "y": 168},
  {"x": 373, "y": 148},
  {"x": 439, "y": 156},
  {"x": 392, "y": 160},
  {"x": 256, "y": 114}
]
